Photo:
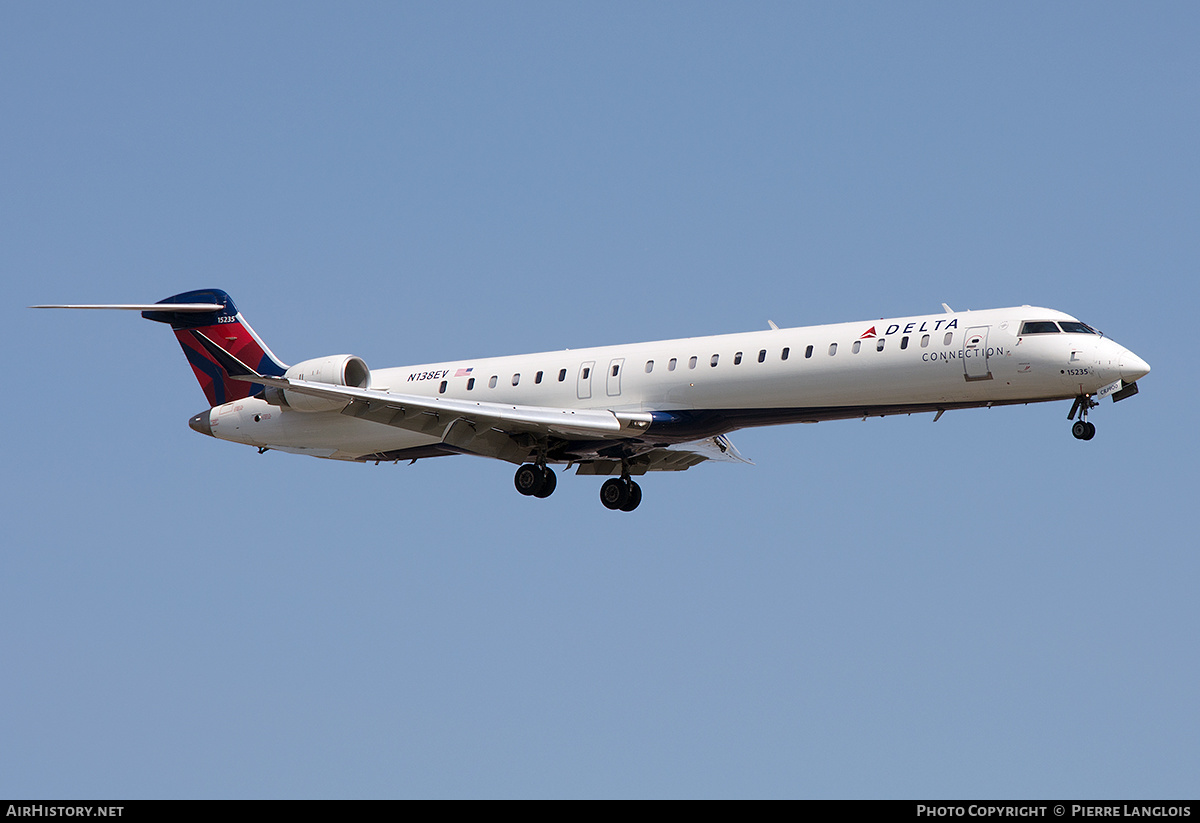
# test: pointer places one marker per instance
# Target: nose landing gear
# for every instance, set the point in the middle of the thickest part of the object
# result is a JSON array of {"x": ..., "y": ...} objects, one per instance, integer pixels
[{"x": 1082, "y": 430}]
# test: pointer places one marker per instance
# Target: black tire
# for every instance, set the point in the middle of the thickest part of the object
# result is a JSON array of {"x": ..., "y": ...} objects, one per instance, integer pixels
[
  {"x": 529, "y": 479},
  {"x": 614, "y": 493},
  {"x": 1080, "y": 430},
  {"x": 1091, "y": 431},
  {"x": 549, "y": 483},
  {"x": 635, "y": 497}
]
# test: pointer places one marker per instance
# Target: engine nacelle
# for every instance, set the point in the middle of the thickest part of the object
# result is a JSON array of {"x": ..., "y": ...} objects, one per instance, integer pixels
[{"x": 337, "y": 370}]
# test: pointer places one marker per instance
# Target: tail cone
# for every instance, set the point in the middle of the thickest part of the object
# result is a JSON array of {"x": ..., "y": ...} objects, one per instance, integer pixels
[{"x": 201, "y": 424}]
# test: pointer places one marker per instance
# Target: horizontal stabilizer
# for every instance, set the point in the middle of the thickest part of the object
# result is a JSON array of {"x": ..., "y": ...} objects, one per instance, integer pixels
[
  {"x": 186, "y": 307},
  {"x": 212, "y": 314}
]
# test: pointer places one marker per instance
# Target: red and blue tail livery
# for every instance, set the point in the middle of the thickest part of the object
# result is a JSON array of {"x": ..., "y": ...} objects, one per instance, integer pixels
[{"x": 223, "y": 325}]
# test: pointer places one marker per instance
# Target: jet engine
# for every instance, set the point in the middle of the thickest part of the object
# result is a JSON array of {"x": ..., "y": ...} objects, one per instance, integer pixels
[{"x": 336, "y": 370}]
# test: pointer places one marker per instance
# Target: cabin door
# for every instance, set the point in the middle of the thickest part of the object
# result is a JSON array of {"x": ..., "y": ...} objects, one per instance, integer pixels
[
  {"x": 584, "y": 386},
  {"x": 975, "y": 354},
  {"x": 614, "y": 377}
]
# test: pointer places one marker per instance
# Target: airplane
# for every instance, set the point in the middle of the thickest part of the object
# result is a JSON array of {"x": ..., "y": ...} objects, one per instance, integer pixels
[{"x": 623, "y": 411}]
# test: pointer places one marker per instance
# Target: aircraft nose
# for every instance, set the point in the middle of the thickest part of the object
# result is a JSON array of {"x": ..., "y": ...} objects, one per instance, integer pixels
[
  {"x": 1133, "y": 368},
  {"x": 201, "y": 424}
]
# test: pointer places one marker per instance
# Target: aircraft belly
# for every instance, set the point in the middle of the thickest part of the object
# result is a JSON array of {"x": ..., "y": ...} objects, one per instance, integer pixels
[{"x": 351, "y": 435}]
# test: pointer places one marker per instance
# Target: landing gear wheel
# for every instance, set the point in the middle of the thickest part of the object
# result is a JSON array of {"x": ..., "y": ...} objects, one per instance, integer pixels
[
  {"x": 549, "y": 483},
  {"x": 614, "y": 494},
  {"x": 1083, "y": 430},
  {"x": 635, "y": 497},
  {"x": 529, "y": 479}
]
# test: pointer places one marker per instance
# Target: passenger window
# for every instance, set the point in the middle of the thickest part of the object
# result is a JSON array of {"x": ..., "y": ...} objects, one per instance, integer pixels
[
  {"x": 808, "y": 352},
  {"x": 857, "y": 345},
  {"x": 671, "y": 364},
  {"x": 562, "y": 375},
  {"x": 713, "y": 362},
  {"x": 442, "y": 388},
  {"x": 785, "y": 353},
  {"x": 516, "y": 379},
  {"x": 587, "y": 373},
  {"x": 692, "y": 362},
  {"x": 904, "y": 342},
  {"x": 924, "y": 341},
  {"x": 649, "y": 366},
  {"x": 471, "y": 384},
  {"x": 537, "y": 378},
  {"x": 492, "y": 382},
  {"x": 832, "y": 349},
  {"x": 762, "y": 356},
  {"x": 879, "y": 345},
  {"x": 616, "y": 368},
  {"x": 949, "y": 337},
  {"x": 737, "y": 359}
]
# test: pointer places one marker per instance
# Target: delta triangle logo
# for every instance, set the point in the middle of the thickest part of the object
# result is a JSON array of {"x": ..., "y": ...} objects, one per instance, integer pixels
[{"x": 868, "y": 333}]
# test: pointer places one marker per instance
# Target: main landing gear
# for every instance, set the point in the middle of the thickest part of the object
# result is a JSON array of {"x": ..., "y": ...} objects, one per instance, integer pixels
[
  {"x": 535, "y": 481},
  {"x": 620, "y": 494},
  {"x": 1082, "y": 429}
]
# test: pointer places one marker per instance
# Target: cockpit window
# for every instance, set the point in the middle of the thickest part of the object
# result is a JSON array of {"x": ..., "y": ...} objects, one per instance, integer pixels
[
  {"x": 1038, "y": 327},
  {"x": 1075, "y": 327}
]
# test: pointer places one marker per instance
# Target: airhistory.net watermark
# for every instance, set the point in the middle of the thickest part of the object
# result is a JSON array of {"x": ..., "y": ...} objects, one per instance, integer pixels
[{"x": 42, "y": 810}]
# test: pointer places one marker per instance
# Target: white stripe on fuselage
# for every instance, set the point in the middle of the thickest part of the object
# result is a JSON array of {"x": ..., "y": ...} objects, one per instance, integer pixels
[{"x": 915, "y": 366}]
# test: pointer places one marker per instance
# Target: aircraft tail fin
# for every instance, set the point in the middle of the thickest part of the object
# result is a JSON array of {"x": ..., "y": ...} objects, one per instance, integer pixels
[{"x": 212, "y": 313}]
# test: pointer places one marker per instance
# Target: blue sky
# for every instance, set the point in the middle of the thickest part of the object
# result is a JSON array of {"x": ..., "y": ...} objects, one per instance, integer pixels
[{"x": 891, "y": 608}]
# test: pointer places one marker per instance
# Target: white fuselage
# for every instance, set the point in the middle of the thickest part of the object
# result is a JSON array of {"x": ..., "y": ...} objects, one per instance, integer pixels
[{"x": 699, "y": 386}]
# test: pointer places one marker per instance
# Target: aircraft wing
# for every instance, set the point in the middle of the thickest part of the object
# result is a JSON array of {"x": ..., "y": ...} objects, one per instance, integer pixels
[
  {"x": 504, "y": 430},
  {"x": 415, "y": 412},
  {"x": 508, "y": 431}
]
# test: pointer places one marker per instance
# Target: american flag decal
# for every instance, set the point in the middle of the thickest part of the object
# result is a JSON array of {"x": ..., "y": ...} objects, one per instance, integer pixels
[{"x": 463, "y": 373}]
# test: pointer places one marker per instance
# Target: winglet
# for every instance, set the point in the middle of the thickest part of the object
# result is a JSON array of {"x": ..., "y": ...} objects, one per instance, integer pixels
[
  {"x": 948, "y": 309},
  {"x": 717, "y": 448}
]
